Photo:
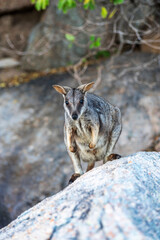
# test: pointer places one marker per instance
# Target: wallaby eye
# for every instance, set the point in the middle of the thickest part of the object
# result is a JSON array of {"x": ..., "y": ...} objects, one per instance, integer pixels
[
  {"x": 81, "y": 101},
  {"x": 66, "y": 102}
]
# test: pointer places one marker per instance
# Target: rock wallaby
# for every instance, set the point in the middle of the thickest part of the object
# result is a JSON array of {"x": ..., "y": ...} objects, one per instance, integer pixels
[{"x": 92, "y": 127}]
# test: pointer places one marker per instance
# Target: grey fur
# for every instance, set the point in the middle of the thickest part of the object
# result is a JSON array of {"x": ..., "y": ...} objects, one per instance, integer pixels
[{"x": 94, "y": 134}]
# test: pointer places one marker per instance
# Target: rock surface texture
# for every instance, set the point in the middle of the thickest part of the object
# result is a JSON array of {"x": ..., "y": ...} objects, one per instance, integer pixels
[
  {"x": 34, "y": 163},
  {"x": 119, "y": 200}
]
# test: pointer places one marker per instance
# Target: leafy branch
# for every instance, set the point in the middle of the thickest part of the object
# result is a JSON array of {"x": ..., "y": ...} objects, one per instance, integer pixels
[{"x": 66, "y": 5}]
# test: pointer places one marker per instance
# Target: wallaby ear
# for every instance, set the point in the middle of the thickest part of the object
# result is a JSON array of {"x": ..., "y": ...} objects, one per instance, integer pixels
[
  {"x": 60, "y": 89},
  {"x": 85, "y": 87}
]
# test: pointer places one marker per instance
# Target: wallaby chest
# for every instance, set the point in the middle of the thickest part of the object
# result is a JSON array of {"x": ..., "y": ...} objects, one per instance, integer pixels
[{"x": 82, "y": 131}]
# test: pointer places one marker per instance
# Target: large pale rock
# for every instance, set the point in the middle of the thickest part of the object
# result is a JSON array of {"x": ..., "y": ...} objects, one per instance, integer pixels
[
  {"x": 119, "y": 200},
  {"x": 34, "y": 163}
]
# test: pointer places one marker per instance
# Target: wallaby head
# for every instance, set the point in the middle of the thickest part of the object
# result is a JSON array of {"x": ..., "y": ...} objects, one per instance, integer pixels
[{"x": 75, "y": 100}]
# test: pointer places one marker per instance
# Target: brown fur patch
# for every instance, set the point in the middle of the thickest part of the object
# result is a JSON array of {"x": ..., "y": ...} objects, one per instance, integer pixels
[{"x": 90, "y": 166}]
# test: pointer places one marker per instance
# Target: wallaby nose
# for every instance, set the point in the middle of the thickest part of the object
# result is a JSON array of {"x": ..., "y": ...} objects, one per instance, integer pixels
[{"x": 74, "y": 116}]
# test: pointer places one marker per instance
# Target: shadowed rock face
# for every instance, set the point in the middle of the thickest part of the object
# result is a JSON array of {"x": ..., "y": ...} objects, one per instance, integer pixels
[
  {"x": 34, "y": 163},
  {"x": 7, "y": 5},
  {"x": 4, "y": 216},
  {"x": 119, "y": 200}
]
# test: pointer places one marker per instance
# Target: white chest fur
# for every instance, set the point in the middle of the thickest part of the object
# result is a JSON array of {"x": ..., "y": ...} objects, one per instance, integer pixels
[{"x": 82, "y": 131}]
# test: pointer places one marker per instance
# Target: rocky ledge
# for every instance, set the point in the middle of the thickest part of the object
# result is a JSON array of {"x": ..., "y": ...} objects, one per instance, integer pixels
[{"x": 118, "y": 200}]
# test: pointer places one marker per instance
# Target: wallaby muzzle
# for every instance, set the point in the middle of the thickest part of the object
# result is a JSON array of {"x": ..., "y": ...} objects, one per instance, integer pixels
[{"x": 74, "y": 116}]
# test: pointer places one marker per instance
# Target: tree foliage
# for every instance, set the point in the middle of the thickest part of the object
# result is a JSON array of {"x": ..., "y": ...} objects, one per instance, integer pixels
[
  {"x": 66, "y": 5},
  {"x": 40, "y": 4}
]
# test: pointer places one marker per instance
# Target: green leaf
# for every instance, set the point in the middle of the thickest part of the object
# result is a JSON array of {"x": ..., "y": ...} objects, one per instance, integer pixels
[
  {"x": 40, "y": 4},
  {"x": 112, "y": 13},
  {"x": 91, "y": 45},
  {"x": 95, "y": 42},
  {"x": 104, "y": 12},
  {"x": 103, "y": 54},
  {"x": 69, "y": 3},
  {"x": 116, "y": 2},
  {"x": 92, "y": 38},
  {"x": 86, "y": 2},
  {"x": 44, "y": 5},
  {"x": 89, "y": 4},
  {"x": 98, "y": 42},
  {"x": 61, "y": 4},
  {"x": 66, "y": 5},
  {"x": 70, "y": 37}
]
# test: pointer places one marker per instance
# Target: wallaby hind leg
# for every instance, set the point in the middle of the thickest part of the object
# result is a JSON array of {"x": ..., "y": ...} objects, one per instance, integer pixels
[
  {"x": 114, "y": 138},
  {"x": 111, "y": 146},
  {"x": 90, "y": 166}
]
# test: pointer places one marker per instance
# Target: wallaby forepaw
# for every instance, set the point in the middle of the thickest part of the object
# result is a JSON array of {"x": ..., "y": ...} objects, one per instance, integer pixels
[
  {"x": 113, "y": 157},
  {"x": 72, "y": 149},
  {"x": 92, "y": 145},
  {"x": 73, "y": 177}
]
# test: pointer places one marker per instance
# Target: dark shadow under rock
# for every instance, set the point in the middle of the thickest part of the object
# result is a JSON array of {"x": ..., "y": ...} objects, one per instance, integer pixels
[{"x": 4, "y": 216}]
